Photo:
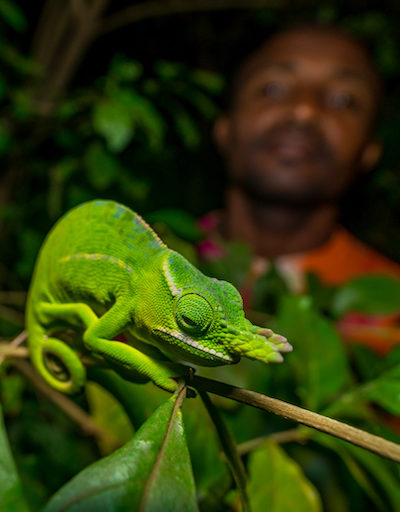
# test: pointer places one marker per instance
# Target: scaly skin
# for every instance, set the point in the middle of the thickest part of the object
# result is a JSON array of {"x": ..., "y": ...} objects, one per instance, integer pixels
[{"x": 101, "y": 272}]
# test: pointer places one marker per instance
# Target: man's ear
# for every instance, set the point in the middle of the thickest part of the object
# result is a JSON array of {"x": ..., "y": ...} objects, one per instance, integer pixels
[
  {"x": 221, "y": 132},
  {"x": 371, "y": 155}
]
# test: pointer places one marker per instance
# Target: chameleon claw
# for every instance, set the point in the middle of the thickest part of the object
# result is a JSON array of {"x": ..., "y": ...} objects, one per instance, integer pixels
[
  {"x": 267, "y": 333},
  {"x": 275, "y": 357}
]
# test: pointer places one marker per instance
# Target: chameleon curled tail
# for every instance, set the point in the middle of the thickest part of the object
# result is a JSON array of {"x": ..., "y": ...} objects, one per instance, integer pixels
[{"x": 57, "y": 363}]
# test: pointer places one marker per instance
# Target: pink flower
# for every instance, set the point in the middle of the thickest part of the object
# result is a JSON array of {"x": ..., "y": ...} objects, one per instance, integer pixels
[{"x": 209, "y": 250}]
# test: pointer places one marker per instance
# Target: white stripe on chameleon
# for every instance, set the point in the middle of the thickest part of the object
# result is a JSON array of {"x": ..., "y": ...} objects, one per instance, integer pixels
[
  {"x": 97, "y": 256},
  {"x": 171, "y": 285},
  {"x": 186, "y": 339}
]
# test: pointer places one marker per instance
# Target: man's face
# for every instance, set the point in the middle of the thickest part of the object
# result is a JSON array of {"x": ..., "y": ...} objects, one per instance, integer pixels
[{"x": 299, "y": 128}]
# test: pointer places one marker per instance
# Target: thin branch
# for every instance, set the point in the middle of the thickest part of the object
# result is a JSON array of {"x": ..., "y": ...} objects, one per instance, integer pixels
[
  {"x": 13, "y": 349},
  {"x": 286, "y": 436},
  {"x": 77, "y": 414},
  {"x": 6, "y": 350},
  {"x": 353, "y": 435},
  {"x": 153, "y": 9}
]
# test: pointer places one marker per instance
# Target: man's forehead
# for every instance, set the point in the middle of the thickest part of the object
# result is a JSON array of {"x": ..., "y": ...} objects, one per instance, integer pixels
[{"x": 328, "y": 52}]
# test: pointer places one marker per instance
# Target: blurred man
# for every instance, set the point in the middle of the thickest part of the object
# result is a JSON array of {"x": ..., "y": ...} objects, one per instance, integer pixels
[{"x": 298, "y": 132}]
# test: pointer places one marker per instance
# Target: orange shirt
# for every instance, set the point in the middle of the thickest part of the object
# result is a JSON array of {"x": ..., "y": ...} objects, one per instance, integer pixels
[{"x": 344, "y": 257}]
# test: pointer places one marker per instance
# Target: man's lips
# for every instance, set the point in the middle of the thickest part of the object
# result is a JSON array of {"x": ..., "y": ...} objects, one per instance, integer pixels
[{"x": 292, "y": 145}]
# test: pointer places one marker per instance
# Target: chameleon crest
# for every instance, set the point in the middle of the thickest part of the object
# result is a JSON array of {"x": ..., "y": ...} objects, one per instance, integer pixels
[{"x": 103, "y": 272}]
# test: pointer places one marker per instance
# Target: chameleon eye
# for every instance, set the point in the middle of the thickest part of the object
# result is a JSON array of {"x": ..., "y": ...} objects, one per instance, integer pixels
[{"x": 194, "y": 313}]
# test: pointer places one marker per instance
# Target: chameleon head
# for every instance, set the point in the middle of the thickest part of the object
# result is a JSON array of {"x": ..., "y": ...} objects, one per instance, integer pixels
[{"x": 208, "y": 326}]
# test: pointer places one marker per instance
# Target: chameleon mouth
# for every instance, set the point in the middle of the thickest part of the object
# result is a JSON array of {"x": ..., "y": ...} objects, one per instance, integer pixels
[{"x": 187, "y": 340}]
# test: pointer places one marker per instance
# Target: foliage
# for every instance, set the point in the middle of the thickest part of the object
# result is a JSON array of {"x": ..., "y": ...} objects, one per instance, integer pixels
[{"x": 133, "y": 133}]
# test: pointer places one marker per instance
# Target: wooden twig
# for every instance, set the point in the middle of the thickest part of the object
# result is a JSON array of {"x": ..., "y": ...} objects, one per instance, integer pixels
[
  {"x": 13, "y": 349},
  {"x": 336, "y": 428},
  {"x": 286, "y": 436}
]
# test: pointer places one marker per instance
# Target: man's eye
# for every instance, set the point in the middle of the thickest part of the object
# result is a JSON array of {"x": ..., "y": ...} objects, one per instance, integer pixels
[
  {"x": 341, "y": 100},
  {"x": 274, "y": 90}
]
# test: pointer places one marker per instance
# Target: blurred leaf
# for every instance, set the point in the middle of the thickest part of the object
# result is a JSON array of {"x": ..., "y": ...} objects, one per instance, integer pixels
[
  {"x": 229, "y": 447},
  {"x": 268, "y": 289},
  {"x": 19, "y": 62},
  {"x": 370, "y": 294},
  {"x": 123, "y": 69},
  {"x": 11, "y": 495},
  {"x": 136, "y": 189},
  {"x": 180, "y": 222},
  {"x": 168, "y": 70},
  {"x": 59, "y": 175},
  {"x": 108, "y": 414},
  {"x": 12, "y": 387},
  {"x": 146, "y": 116},
  {"x": 233, "y": 265},
  {"x": 151, "y": 472},
  {"x": 176, "y": 243},
  {"x": 187, "y": 128},
  {"x": 318, "y": 356},
  {"x": 212, "y": 82},
  {"x": 358, "y": 472},
  {"x": 30, "y": 241},
  {"x": 101, "y": 166},
  {"x": 138, "y": 400},
  {"x": 385, "y": 390},
  {"x": 197, "y": 99},
  {"x": 210, "y": 469},
  {"x": 384, "y": 473},
  {"x": 13, "y": 15},
  {"x": 113, "y": 121},
  {"x": 277, "y": 484}
]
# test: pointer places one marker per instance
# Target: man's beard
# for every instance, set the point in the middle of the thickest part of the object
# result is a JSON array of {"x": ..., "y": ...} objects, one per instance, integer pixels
[{"x": 262, "y": 184}]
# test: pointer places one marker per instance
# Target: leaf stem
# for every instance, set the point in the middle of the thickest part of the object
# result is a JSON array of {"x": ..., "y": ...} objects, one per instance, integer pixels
[
  {"x": 230, "y": 449},
  {"x": 353, "y": 435}
]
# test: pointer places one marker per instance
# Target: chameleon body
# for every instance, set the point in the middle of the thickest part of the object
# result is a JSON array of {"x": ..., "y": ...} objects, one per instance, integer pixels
[{"x": 101, "y": 272}]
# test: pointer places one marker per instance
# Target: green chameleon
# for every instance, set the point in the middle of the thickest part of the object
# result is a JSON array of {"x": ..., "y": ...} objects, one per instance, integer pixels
[{"x": 101, "y": 272}]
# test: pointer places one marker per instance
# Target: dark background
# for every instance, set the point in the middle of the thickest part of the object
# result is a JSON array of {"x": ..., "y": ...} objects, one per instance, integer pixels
[{"x": 48, "y": 122}]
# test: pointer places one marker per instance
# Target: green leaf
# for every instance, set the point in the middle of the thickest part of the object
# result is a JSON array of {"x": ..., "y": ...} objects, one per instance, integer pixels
[
  {"x": 180, "y": 222},
  {"x": 114, "y": 122},
  {"x": 373, "y": 473},
  {"x": 13, "y": 15},
  {"x": 212, "y": 82},
  {"x": 234, "y": 265},
  {"x": 385, "y": 390},
  {"x": 186, "y": 128},
  {"x": 108, "y": 414},
  {"x": 101, "y": 166},
  {"x": 318, "y": 357},
  {"x": 11, "y": 495},
  {"x": 197, "y": 99},
  {"x": 151, "y": 472},
  {"x": 168, "y": 70},
  {"x": 370, "y": 294},
  {"x": 138, "y": 400},
  {"x": 277, "y": 484},
  {"x": 123, "y": 69},
  {"x": 211, "y": 472}
]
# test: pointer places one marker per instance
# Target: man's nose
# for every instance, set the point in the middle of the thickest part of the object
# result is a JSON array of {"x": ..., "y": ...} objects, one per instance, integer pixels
[{"x": 305, "y": 106}]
